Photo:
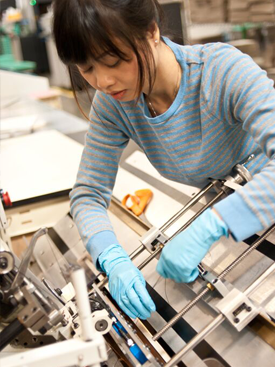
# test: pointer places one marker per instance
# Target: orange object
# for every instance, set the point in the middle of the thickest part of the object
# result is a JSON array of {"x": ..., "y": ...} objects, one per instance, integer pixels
[{"x": 139, "y": 201}]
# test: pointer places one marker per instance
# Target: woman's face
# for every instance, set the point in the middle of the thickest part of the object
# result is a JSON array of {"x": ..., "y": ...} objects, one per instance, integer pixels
[{"x": 112, "y": 75}]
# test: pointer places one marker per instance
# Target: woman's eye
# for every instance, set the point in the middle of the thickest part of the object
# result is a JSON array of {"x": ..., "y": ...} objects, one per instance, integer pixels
[
  {"x": 88, "y": 70},
  {"x": 113, "y": 65}
]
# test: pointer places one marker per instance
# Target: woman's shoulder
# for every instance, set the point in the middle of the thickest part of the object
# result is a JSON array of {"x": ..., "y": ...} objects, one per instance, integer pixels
[
  {"x": 219, "y": 50},
  {"x": 209, "y": 52}
]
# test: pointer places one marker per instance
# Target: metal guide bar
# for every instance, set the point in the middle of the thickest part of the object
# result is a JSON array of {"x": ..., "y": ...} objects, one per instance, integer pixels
[
  {"x": 140, "y": 226},
  {"x": 214, "y": 323},
  {"x": 221, "y": 276},
  {"x": 183, "y": 328}
]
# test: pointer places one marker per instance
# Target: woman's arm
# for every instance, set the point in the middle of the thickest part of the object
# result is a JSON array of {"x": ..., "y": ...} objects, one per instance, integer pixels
[
  {"x": 242, "y": 94},
  {"x": 92, "y": 191}
]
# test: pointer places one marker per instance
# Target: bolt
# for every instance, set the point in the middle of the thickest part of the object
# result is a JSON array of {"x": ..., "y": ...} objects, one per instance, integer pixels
[
  {"x": 236, "y": 320},
  {"x": 248, "y": 309},
  {"x": 13, "y": 301},
  {"x": 76, "y": 325},
  {"x": 58, "y": 291}
]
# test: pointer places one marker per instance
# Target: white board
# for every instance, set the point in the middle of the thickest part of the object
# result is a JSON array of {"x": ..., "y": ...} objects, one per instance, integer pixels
[{"x": 38, "y": 164}]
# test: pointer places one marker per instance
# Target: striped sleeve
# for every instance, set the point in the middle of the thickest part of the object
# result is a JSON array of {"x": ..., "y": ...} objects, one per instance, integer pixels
[
  {"x": 241, "y": 93},
  {"x": 90, "y": 196}
]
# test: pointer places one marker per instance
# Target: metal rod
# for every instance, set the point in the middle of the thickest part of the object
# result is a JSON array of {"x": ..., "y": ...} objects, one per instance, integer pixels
[
  {"x": 208, "y": 205},
  {"x": 27, "y": 257},
  {"x": 137, "y": 252},
  {"x": 222, "y": 275},
  {"x": 216, "y": 322},
  {"x": 196, "y": 340},
  {"x": 151, "y": 257},
  {"x": 260, "y": 279},
  {"x": 247, "y": 252},
  {"x": 180, "y": 314},
  {"x": 190, "y": 203}
]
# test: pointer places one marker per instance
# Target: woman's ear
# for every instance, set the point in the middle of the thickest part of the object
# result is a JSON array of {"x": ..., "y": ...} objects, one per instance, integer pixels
[{"x": 153, "y": 33}]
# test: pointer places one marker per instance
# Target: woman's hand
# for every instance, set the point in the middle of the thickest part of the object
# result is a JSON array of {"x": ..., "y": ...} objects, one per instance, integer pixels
[
  {"x": 180, "y": 257},
  {"x": 126, "y": 283}
]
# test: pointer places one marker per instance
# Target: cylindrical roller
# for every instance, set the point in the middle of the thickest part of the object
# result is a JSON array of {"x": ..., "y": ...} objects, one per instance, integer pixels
[
  {"x": 6, "y": 258},
  {"x": 101, "y": 321}
]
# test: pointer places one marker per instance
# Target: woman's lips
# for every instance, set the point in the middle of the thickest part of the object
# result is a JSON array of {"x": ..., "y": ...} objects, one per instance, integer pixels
[{"x": 118, "y": 95}]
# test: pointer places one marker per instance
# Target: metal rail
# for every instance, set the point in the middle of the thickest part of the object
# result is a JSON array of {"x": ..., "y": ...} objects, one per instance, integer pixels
[
  {"x": 208, "y": 205},
  {"x": 215, "y": 323},
  {"x": 189, "y": 205},
  {"x": 220, "y": 276}
]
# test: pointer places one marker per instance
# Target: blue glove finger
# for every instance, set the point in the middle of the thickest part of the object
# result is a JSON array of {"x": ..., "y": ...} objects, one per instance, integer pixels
[
  {"x": 186, "y": 277},
  {"x": 194, "y": 274},
  {"x": 161, "y": 268},
  {"x": 126, "y": 307},
  {"x": 166, "y": 270},
  {"x": 135, "y": 302},
  {"x": 144, "y": 296}
]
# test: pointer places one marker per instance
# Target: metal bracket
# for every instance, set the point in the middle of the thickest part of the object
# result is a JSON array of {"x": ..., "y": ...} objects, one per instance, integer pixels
[
  {"x": 33, "y": 315},
  {"x": 214, "y": 282},
  {"x": 153, "y": 238},
  {"x": 238, "y": 309}
]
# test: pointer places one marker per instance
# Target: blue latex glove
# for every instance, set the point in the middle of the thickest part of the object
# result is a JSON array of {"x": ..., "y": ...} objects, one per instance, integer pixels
[
  {"x": 180, "y": 257},
  {"x": 126, "y": 283}
]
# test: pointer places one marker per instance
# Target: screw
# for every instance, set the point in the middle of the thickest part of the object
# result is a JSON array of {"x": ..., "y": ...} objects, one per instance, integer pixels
[
  {"x": 64, "y": 322},
  {"x": 248, "y": 309},
  {"x": 236, "y": 320}
]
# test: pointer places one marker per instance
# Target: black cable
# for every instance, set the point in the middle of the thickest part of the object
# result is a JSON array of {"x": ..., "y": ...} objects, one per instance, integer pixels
[{"x": 10, "y": 332}]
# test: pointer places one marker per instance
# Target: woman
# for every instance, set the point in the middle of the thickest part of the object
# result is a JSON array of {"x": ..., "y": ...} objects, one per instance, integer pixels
[{"x": 195, "y": 111}]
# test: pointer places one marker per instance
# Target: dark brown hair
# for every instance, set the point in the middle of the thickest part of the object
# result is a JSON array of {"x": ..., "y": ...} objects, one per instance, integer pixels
[{"x": 83, "y": 29}]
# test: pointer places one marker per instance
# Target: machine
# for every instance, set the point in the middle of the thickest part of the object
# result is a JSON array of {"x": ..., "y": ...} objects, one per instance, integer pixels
[{"x": 225, "y": 318}]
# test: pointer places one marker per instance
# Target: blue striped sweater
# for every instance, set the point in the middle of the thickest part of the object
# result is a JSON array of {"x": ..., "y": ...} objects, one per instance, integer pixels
[{"x": 223, "y": 112}]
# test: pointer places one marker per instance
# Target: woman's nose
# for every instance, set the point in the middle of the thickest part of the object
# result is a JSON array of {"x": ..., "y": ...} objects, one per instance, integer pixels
[{"x": 104, "y": 80}]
